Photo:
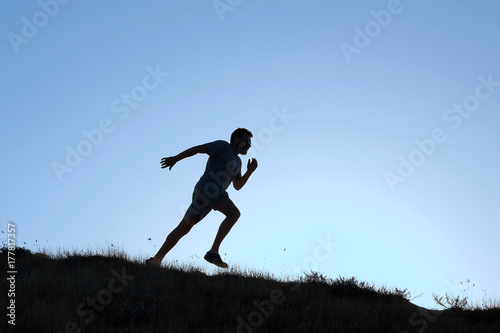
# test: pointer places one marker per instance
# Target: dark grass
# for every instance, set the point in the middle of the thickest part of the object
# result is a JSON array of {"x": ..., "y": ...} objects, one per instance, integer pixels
[{"x": 50, "y": 290}]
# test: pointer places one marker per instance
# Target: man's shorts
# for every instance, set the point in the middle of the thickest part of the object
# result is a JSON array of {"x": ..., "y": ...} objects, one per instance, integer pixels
[{"x": 206, "y": 194}]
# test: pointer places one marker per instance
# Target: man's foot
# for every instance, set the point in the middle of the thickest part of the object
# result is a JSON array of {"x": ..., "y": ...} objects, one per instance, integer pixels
[
  {"x": 153, "y": 262},
  {"x": 214, "y": 258}
]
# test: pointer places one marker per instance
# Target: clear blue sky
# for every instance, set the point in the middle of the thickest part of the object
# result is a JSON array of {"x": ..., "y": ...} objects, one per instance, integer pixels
[{"x": 375, "y": 128}]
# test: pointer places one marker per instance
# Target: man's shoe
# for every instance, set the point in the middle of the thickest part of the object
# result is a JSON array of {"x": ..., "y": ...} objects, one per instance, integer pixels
[
  {"x": 153, "y": 262},
  {"x": 214, "y": 258}
]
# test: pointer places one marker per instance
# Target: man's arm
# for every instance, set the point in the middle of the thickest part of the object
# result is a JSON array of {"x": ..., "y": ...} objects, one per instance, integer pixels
[
  {"x": 170, "y": 161},
  {"x": 238, "y": 183}
]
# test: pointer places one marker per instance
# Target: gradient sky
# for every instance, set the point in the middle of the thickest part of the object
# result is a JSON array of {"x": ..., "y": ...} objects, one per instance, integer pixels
[{"x": 375, "y": 127}]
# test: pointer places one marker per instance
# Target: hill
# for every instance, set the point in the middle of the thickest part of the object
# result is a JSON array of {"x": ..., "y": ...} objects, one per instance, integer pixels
[{"x": 101, "y": 293}]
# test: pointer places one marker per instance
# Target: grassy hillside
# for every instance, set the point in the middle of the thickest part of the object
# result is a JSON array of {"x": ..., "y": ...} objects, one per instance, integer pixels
[{"x": 93, "y": 293}]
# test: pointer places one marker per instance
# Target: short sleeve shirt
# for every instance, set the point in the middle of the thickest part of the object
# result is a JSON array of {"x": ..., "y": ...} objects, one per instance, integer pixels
[{"x": 223, "y": 164}]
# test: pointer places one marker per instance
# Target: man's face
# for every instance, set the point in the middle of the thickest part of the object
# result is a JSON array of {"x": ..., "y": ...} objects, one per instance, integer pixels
[{"x": 244, "y": 143}]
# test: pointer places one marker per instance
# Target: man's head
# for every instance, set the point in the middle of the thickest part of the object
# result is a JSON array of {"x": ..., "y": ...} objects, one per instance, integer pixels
[{"x": 241, "y": 140}]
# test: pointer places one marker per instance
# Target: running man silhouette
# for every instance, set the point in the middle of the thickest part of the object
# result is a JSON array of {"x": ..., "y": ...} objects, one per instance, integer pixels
[{"x": 223, "y": 167}]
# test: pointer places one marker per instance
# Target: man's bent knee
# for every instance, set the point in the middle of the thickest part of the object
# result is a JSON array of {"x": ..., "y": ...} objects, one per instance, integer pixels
[
  {"x": 234, "y": 214},
  {"x": 227, "y": 207},
  {"x": 188, "y": 222}
]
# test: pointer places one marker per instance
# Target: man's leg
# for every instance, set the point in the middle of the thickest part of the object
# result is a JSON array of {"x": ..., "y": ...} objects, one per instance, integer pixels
[
  {"x": 226, "y": 207},
  {"x": 180, "y": 231}
]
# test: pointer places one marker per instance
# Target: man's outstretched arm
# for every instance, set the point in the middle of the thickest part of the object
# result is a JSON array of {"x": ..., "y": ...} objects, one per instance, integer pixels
[
  {"x": 240, "y": 182},
  {"x": 169, "y": 162}
]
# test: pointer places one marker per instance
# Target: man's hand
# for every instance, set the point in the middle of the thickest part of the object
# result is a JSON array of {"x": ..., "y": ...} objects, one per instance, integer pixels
[
  {"x": 168, "y": 162},
  {"x": 252, "y": 165},
  {"x": 240, "y": 182}
]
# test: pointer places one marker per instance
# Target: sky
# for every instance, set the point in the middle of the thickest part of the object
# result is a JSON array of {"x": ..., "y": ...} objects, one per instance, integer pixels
[{"x": 375, "y": 128}]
